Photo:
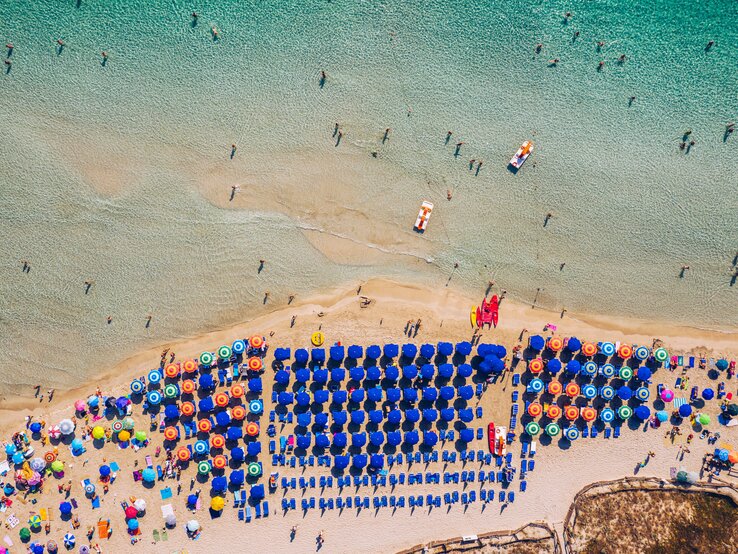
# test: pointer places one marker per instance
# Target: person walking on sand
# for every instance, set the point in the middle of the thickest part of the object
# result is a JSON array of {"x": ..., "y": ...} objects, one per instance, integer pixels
[
  {"x": 233, "y": 150},
  {"x": 448, "y": 136},
  {"x": 385, "y": 138}
]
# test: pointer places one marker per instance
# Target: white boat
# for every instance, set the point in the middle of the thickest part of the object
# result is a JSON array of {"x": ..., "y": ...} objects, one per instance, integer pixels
[
  {"x": 522, "y": 154},
  {"x": 500, "y": 441},
  {"x": 423, "y": 216}
]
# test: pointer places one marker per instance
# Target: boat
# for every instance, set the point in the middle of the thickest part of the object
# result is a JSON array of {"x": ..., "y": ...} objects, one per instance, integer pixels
[
  {"x": 494, "y": 305},
  {"x": 491, "y": 436},
  {"x": 500, "y": 446},
  {"x": 473, "y": 316},
  {"x": 488, "y": 312},
  {"x": 424, "y": 214},
  {"x": 522, "y": 154}
]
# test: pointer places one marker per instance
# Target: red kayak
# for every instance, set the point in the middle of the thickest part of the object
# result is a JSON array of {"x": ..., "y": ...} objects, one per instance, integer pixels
[
  {"x": 494, "y": 308},
  {"x": 488, "y": 312},
  {"x": 491, "y": 437}
]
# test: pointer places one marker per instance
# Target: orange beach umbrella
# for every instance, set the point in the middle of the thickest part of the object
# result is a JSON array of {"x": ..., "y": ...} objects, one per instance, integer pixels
[
  {"x": 589, "y": 414},
  {"x": 256, "y": 341},
  {"x": 171, "y": 370},
  {"x": 555, "y": 388},
  {"x": 625, "y": 351},
  {"x": 572, "y": 390},
  {"x": 571, "y": 413},
  {"x": 535, "y": 365},
  {"x": 183, "y": 454},
  {"x": 535, "y": 409},
  {"x": 237, "y": 390},
  {"x": 255, "y": 363},
  {"x": 188, "y": 386},
  {"x": 238, "y": 412},
  {"x": 187, "y": 408},
  {"x": 220, "y": 462},
  {"x": 589, "y": 349},
  {"x": 555, "y": 343},
  {"x": 553, "y": 411},
  {"x": 170, "y": 433},
  {"x": 217, "y": 441},
  {"x": 204, "y": 426},
  {"x": 221, "y": 399},
  {"x": 189, "y": 366}
]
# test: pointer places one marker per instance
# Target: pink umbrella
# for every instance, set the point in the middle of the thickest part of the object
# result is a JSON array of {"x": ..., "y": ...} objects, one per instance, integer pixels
[
  {"x": 80, "y": 405},
  {"x": 667, "y": 395},
  {"x": 54, "y": 432},
  {"x": 35, "y": 479}
]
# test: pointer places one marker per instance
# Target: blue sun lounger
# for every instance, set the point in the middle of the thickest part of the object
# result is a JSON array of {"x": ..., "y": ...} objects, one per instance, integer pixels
[{"x": 248, "y": 514}]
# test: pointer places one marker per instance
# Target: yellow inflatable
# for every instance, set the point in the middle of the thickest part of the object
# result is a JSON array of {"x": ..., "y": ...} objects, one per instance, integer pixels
[{"x": 317, "y": 338}]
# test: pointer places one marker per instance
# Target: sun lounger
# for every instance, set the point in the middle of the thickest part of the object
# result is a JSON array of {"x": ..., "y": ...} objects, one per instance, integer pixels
[
  {"x": 257, "y": 510},
  {"x": 511, "y": 496},
  {"x": 516, "y": 379},
  {"x": 349, "y": 502},
  {"x": 401, "y": 502},
  {"x": 616, "y": 432},
  {"x": 305, "y": 504},
  {"x": 523, "y": 486},
  {"x": 531, "y": 465},
  {"x": 248, "y": 514},
  {"x": 594, "y": 432},
  {"x": 293, "y": 503},
  {"x": 608, "y": 431},
  {"x": 585, "y": 431},
  {"x": 502, "y": 496},
  {"x": 312, "y": 502},
  {"x": 241, "y": 511},
  {"x": 330, "y": 503},
  {"x": 533, "y": 446},
  {"x": 523, "y": 466},
  {"x": 446, "y": 499}
]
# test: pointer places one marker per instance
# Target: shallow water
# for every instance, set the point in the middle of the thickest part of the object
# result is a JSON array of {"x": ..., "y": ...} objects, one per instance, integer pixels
[{"x": 103, "y": 167}]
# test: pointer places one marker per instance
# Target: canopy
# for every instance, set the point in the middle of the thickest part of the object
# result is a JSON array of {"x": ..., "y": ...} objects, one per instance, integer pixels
[
  {"x": 427, "y": 351},
  {"x": 358, "y": 439},
  {"x": 355, "y": 351},
  {"x": 373, "y": 352},
  {"x": 466, "y": 392},
  {"x": 708, "y": 394},
  {"x": 219, "y": 484},
  {"x": 340, "y": 418},
  {"x": 282, "y": 354},
  {"x": 206, "y": 381},
  {"x": 320, "y": 396},
  {"x": 394, "y": 417},
  {"x": 321, "y": 419},
  {"x": 237, "y": 477},
  {"x": 463, "y": 348},
  {"x": 376, "y": 438},
  {"x": 644, "y": 374},
  {"x": 394, "y": 394},
  {"x": 430, "y": 394},
  {"x": 304, "y": 419},
  {"x": 285, "y": 398},
  {"x": 409, "y": 351},
  {"x": 662, "y": 416},
  {"x": 466, "y": 415},
  {"x": 446, "y": 371},
  {"x": 536, "y": 342},
  {"x": 447, "y": 393},
  {"x": 301, "y": 356},
  {"x": 338, "y": 374},
  {"x": 257, "y": 492},
  {"x": 302, "y": 399},
  {"x": 391, "y": 373},
  {"x": 685, "y": 410},
  {"x": 722, "y": 364},
  {"x": 318, "y": 355}
]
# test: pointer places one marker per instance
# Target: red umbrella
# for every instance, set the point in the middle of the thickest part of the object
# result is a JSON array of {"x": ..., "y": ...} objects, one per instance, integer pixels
[{"x": 131, "y": 512}]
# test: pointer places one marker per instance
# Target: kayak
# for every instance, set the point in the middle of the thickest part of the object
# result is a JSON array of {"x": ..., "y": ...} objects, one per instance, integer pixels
[
  {"x": 494, "y": 309},
  {"x": 491, "y": 437},
  {"x": 488, "y": 313},
  {"x": 473, "y": 316}
]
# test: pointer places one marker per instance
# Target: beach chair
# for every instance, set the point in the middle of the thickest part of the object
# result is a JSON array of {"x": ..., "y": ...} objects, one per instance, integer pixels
[
  {"x": 304, "y": 505},
  {"x": 472, "y": 496},
  {"x": 523, "y": 486},
  {"x": 585, "y": 431},
  {"x": 419, "y": 500},
  {"x": 523, "y": 466},
  {"x": 616, "y": 432},
  {"x": 285, "y": 505},
  {"x": 480, "y": 433},
  {"x": 513, "y": 425},
  {"x": 464, "y": 498},
  {"x": 491, "y": 477},
  {"x": 392, "y": 501},
  {"x": 471, "y": 476},
  {"x": 516, "y": 379},
  {"x": 321, "y": 503},
  {"x": 375, "y": 502},
  {"x": 349, "y": 502},
  {"x": 411, "y": 501},
  {"x": 257, "y": 510},
  {"x": 594, "y": 432},
  {"x": 329, "y": 482},
  {"x": 311, "y": 461},
  {"x": 357, "y": 501},
  {"x": 515, "y": 408},
  {"x": 312, "y": 502},
  {"x": 508, "y": 458},
  {"x": 366, "y": 503},
  {"x": 608, "y": 432},
  {"x": 482, "y": 476},
  {"x": 248, "y": 514},
  {"x": 524, "y": 449},
  {"x": 357, "y": 480},
  {"x": 241, "y": 511},
  {"x": 451, "y": 436},
  {"x": 511, "y": 496},
  {"x": 488, "y": 459},
  {"x": 434, "y": 456},
  {"x": 446, "y": 499},
  {"x": 293, "y": 504},
  {"x": 383, "y": 501},
  {"x": 483, "y": 495},
  {"x": 531, "y": 465},
  {"x": 501, "y": 496},
  {"x": 330, "y": 503},
  {"x": 533, "y": 446},
  {"x": 399, "y": 459},
  {"x": 265, "y": 508},
  {"x": 401, "y": 477},
  {"x": 455, "y": 497}
]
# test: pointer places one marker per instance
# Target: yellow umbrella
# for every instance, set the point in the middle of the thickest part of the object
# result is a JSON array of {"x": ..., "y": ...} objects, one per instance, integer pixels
[{"x": 217, "y": 503}]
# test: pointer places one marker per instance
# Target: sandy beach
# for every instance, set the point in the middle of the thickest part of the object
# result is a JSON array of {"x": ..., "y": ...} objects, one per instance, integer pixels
[{"x": 562, "y": 468}]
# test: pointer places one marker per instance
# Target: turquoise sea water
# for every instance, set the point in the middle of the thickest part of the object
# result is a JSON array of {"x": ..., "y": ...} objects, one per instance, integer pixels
[{"x": 103, "y": 166}]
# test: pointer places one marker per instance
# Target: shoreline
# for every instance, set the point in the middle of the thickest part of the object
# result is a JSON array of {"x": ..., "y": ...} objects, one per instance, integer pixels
[{"x": 392, "y": 301}]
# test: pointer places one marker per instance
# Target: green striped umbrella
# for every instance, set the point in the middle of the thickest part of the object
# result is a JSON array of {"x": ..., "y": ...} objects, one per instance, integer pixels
[
  {"x": 203, "y": 467},
  {"x": 206, "y": 358},
  {"x": 532, "y": 428},
  {"x": 624, "y": 412},
  {"x": 661, "y": 355},
  {"x": 625, "y": 373},
  {"x": 254, "y": 469},
  {"x": 224, "y": 352},
  {"x": 170, "y": 391},
  {"x": 552, "y": 429}
]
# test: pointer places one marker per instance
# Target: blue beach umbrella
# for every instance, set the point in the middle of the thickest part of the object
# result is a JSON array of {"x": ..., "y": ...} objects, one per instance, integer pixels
[
  {"x": 206, "y": 381},
  {"x": 304, "y": 419},
  {"x": 427, "y": 371},
  {"x": 642, "y": 412},
  {"x": 412, "y": 438},
  {"x": 409, "y": 351},
  {"x": 430, "y": 438},
  {"x": 282, "y": 354},
  {"x": 356, "y": 373},
  {"x": 301, "y": 356},
  {"x": 320, "y": 376},
  {"x": 589, "y": 391},
  {"x": 573, "y": 367},
  {"x": 445, "y": 348},
  {"x": 607, "y": 392},
  {"x": 373, "y": 373},
  {"x": 359, "y": 461},
  {"x": 341, "y": 462},
  {"x": 302, "y": 399},
  {"x": 321, "y": 396},
  {"x": 466, "y": 415},
  {"x": 376, "y": 438},
  {"x": 222, "y": 419},
  {"x": 355, "y": 352},
  {"x": 358, "y": 416},
  {"x": 391, "y": 373},
  {"x": 321, "y": 419},
  {"x": 154, "y": 397},
  {"x": 466, "y": 392},
  {"x": 358, "y": 439},
  {"x": 535, "y": 385},
  {"x": 463, "y": 348},
  {"x": 589, "y": 369},
  {"x": 282, "y": 377},
  {"x": 466, "y": 435},
  {"x": 285, "y": 398},
  {"x": 376, "y": 416},
  {"x": 447, "y": 393},
  {"x": 607, "y": 370},
  {"x": 464, "y": 370},
  {"x": 607, "y": 348},
  {"x": 410, "y": 395},
  {"x": 448, "y": 414},
  {"x": 410, "y": 372},
  {"x": 625, "y": 392},
  {"x": 338, "y": 374},
  {"x": 722, "y": 454},
  {"x": 237, "y": 478},
  {"x": 394, "y": 438},
  {"x": 255, "y": 384},
  {"x": 536, "y": 342},
  {"x": 708, "y": 394},
  {"x": 373, "y": 352},
  {"x": 644, "y": 374},
  {"x": 154, "y": 376},
  {"x": 412, "y": 415},
  {"x": 394, "y": 417},
  {"x": 148, "y": 475},
  {"x": 722, "y": 364},
  {"x": 340, "y": 440},
  {"x": 318, "y": 355},
  {"x": 201, "y": 447},
  {"x": 374, "y": 395},
  {"x": 171, "y": 411},
  {"x": 302, "y": 375},
  {"x": 340, "y": 418},
  {"x": 358, "y": 395},
  {"x": 340, "y": 396},
  {"x": 377, "y": 461},
  {"x": 642, "y": 394},
  {"x": 391, "y": 350},
  {"x": 641, "y": 353},
  {"x": 337, "y": 353},
  {"x": 446, "y": 371},
  {"x": 253, "y": 448},
  {"x": 685, "y": 410},
  {"x": 430, "y": 394},
  {"x": 18, "y": 458},
  {"x": 257, "y": 492},
  {"x": 303, "y": 441},
  {"x": 238, "y": 346},
  {"x": 553, "y": 366},
  {"x": 571, "y": 433},
  {"x": 427, "y": 351},
  {"x": 322, "y": 440},
  {"x": 573, "y": 344},
  {"x": 662, "y": 416},
  {"x": 393, "y": 395},
  {"x": 607, "y": 415},
  {"x": 430, "y": 414}
]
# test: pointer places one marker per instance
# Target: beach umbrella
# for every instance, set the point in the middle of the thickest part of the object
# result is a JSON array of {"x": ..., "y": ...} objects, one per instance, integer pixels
[
  {"x": 430, "y": 394},
  {"x": 573, "y": 344},
  {"x": 322, "y": 440},
  {"x": 377, "y": 461},
  {"x": 140, "y": 505},
  {"x": 171, "y": 391},
  {"x": 642, "y": 412},
  {"x": 410, "y": 372},
  {"x": 607, "y": 415},
  {"x": 535, "y": 409},
  {"x": 445, "y": 348},
  {"x": 430, "y": 415},
  {"x": 38, "y": 464},
  {"x": 641, "y": 353},
  {"x": 642, "y": 394},
  {"x": 355, "y": 352},
  {"x": 589, "y": 349},
  {"x": 589, "y": 369},
  {"x": 625, "y": 351},
  {"x": 66, "y": 508},
  {"x": 624, "y": 412},
  {"x": 206, "y": 404},
  {"x": 446, "y": 371},
  {"x": 204, "y": 426},
  {"x": 18, "y": 458},
  {"x": 427, "y": 351},
  {"x": 57, "y": 466},
  {"x": 553, "y": 366},
  {"x": 302, "y": 399},
  {"x": 237, "y": 477},
  {"x": 34, "y": 521},
  {"x": 394, "y": 438},
  {"x": 154, "y": 376},
  {"x": 732, "y": 409},
  {"x": 302, "y": 375},
  {"x": 148, "y": 475},
  {"x": 222, "y": 419},
  {"x": 10, "y": 449},
  {"x": 376, "y": 416},
  {"x": 394, "y": 417},
  {"x": 217, "y": 441},
  {"x": 49, "y": 457},
  {"x": 238, "y": 346},
  {"x": 554, "y": 411},
  {"x": 188, "y": 409},
  {"x": 571, "y": 413},
  {"x": 128, "y": 423},
  {"x": 733, "y": 457},
  {"x": 722, "y": 364},
  {"x": 66, "y": 427},
  {"x": 252, "y": 428},
  {"x": 552, "y": 429},
  {"x": 321, "y": 419},
  {"x": 220, "y": 484},
  {"x": 104, "y": 470},
  {"x": 341, "y": 462},
  {"x": 464, "y": 370},
  {"x": 607, "y": 348},
  {"x": 625, "y": 392},
  {"x": 466, "y": 392},
  {"x": 536, "y": 342},
  {"x": 337, "y": 353},
  {"x": 189, "y": 366},
  {"x": 447, "y": 414},
  {"x": 571, "y": 433},
  {"x": 708, "y": 394},
  {"x": 224, "y": 352},
  {"x": 409, "y": 351},
  {"x": 722, "y": 454},
  {"x": 303, "y": 441},
  {"x": 447, "y": 393},
  {"x": 373, "y": 352},
  {"x": 410, "y": 395},
  {"x": 662, "y": 416},
  {"x": 206, "y": 358},
  {"x": 301, "y": 356},
  {"x": 93, "y": 401},
  {"x": 555, "y": 344},
  {"x": 607, "y": 370},
  {"x": 391, "y": 350},
  {"x": 535, "y": 365},
  {"x": 430, "y": 438},
  {"x": 171, "y": 411},
  {"x": 703, "y": 419},
  {"x": 667, "y": 395},
  {"x": 589, "y": 391},
  {"x": 572, "y": 389},
  {"x": 412, "y": 415},
  {"x": 532, "y": 428},
  {"x": 358, "y": 439},
  {"x": 376, "y": 438},
  {"x": 466, "y": 415},
  {"x": 253, "y": 469},
  {"x": 357, "y": 417},
  {"x": 660, "y": 355},
  {"x": 338, "y": 374},
  {"x": 285, "y": 398},
  {"x": 51, "y": 546},
  {"x": 644, "y": 374},
  {"x": 359, "y": 461},
  {"x": 393, "y": 394},
  {"x": 171, "y": 371},
  {"x": 68, "y": 540},
  {"x": 340, "y": 396},
  {"x": 466, "y": 435},
  {"x": 373, "y": 373},
  {"x": 554, "y": 388},
  {"x": 427, "y": 371},
  {"x": 320, "y": 376},
  {"x": 358, "y": 395},
  {"x": 192, "y": 525},
  {"x": 463, "y": 348},
  {"x": 201, "y": 447},
  {"x": 588, "y": 413},
  {"x": 411, "y": 438},
  {"x": 282, "y": 377},
  {"x": 137, "y": 386},
  {"x": 391, "y": 373},
  {"x": 374, "y": 394},
  {"x": 217, "y": 503},
  {"x": 206, "y": 381},
  {"x": 535, "y": 385},
  {"x": 188, "y": 386},
  {"x": 625, "y": 373},
  {"x": 203, "y": 468}
]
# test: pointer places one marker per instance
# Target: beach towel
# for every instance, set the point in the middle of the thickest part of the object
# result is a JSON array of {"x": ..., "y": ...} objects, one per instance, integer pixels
[
  {"x": 103, "y": 528},
  {"x": 166, "y": 493},
  {"x": 114, "y": 466},
  {"x": 12, "y": 521},
  {"x": 679, "y": 402},
  {"x": 4, "y": 467},
  {"x": 166, "y": 510},
  {"x": 8, "y": 541},
  {"x": 96, "y": 502}
]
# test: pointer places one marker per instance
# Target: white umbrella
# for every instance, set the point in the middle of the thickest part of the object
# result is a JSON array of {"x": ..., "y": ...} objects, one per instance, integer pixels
[
  {"x": 66, "y": 426},
  {"x": 69, "y": 540},
  {"x": 171, "y": 520},
  {"x": 54, "y": 432},
  {"x": 140, "y": 504},
  {"x": 38, "y": 464},
  {"x": 193, "y": 525}
]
